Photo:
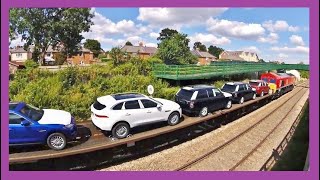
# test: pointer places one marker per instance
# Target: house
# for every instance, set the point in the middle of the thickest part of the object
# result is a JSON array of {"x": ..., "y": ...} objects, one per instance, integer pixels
[
  {"x": 19, "y": 54},
  {"x": 204, "y": 58},
  {"x": 239, "y": 56},
  {"x": 84, "y": 56},
  {"x": 140, "y": 51},
  {"x": 14, "y": 66}
]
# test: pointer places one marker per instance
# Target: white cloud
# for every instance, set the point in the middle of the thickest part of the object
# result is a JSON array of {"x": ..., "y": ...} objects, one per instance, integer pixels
[
  {"x": 282, "y": 55},
  {"x": 151, "y": 45},
  {"x": 235, "y": 29},
  {"x": 251, "y": 49},
  {"x": 154, "y": 35},
  {"x": 297, "y": 49},
  {"x": 296, "y": 40},
  {"x": 271, "y": 38},
  {"x": 279, "y": 25},
  {"x": 177, "y": 17},
  {"x": 17, "y": 42},
  {"x": 208, "y": 39}
]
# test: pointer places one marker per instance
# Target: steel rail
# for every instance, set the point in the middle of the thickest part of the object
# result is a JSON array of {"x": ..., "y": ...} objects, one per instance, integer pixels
[{"x": 201, "y": 158}]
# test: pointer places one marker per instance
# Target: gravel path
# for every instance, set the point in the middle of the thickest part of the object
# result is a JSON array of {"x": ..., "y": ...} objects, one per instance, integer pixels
[{"x": 174, "y": 157}]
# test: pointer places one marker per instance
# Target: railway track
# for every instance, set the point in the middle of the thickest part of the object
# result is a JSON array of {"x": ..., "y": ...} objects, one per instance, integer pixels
[
  {"x": 300, "y": 90},
  {"x": 95, "y": 145}
]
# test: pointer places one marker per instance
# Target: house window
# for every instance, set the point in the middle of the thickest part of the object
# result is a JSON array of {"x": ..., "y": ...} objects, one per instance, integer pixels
[{"x": 19, "y": 55}]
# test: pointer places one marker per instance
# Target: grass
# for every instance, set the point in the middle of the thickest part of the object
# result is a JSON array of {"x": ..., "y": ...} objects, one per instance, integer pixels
[{"x": 294, "y": 156}]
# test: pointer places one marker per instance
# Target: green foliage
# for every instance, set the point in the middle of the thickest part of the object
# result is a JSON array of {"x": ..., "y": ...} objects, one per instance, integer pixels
[
  {"x": 50, "y": 26},
  {"x": 93, "y": 45},
  {"x": 166, "y": 34},
  {"x": 117, "y": 56},
  {"x": 261, "y": 61},
  {"x": 219, "y": 84},
  {"x": 304, "y": 74},
  {"x": 102, "y": 56},
  {"x": 75, "y": 89},
  {"x": 200, "y": 46},
  {"x": 60, "y": 58},
  {"x": 174, "y": 50},
  {"x": 30, "y": 64},
  {"x": 128, "y": 43},
  {"x": 214, "y": 50}
]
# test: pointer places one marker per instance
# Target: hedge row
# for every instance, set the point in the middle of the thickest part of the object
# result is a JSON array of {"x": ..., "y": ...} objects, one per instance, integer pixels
[{"x": 75, "y": 89}]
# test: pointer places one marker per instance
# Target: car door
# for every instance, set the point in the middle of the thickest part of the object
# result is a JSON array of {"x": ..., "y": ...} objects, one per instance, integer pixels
[
  {"x": 220, "y": 99},
  {"x": 242, "y": 91},
  {"x": 211, "y": 100},
  {"x": 133, "y": 113},
  {"x": 202, "y": 99},
  {"x": 250, "y": 92},
  {"x": 21, "y": 134},
  {"x": 151, "y": 111}
]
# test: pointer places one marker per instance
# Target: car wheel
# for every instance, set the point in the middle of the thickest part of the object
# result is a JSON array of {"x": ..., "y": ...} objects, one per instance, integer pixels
[
  {"x": 254, "y": 96},
  {"x": 241, "y": 101},
  {"x": 229, "y": 104},
  {"x": 203, "y": 112},
  {"x": 56, "y": 141},
  {"x": 262, "y": 94},
  {"x": 270, "y": 92},
  {"x": 121, "y": 130},
  {"x": 174, "y": 118}
]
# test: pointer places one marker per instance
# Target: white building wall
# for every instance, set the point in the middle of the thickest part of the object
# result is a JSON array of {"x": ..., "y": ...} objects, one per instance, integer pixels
[{"x": 21, "y": 57}]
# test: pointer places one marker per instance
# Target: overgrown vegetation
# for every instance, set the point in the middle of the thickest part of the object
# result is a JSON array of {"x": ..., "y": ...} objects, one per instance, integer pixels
[
  {"x": 74, "y": 89},
  {"x": 304, "y": 74}
]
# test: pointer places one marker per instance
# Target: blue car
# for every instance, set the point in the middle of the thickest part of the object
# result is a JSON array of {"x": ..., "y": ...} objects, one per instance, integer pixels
[{"x": 31, "y": 125}]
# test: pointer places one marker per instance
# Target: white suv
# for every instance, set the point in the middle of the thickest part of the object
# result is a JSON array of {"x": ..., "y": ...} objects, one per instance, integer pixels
[{"x": 120, "y": 112}]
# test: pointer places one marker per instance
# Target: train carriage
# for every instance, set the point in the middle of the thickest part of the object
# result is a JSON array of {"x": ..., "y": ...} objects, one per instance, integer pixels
[{"x": 279, "y": 83}]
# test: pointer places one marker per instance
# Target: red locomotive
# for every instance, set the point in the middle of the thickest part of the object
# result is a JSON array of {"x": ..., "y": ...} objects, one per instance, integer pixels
[{"x": 279, "y": 83}]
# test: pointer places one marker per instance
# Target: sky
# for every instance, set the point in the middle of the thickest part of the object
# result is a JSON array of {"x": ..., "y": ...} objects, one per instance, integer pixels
[{"x": 275, "y": 34}]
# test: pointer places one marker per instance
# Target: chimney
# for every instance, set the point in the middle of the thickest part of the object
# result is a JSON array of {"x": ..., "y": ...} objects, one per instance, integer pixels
[{"x": 141, "y": 44}]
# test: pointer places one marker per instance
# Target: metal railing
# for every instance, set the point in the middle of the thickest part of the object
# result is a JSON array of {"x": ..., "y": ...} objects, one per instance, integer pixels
[{"x": 185, "y": 72}]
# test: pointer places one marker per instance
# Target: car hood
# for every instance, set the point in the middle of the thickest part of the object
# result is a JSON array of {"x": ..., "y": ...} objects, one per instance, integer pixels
[
  {"x": 167, "y": 104},
  {"x": 53, "y": 116}
]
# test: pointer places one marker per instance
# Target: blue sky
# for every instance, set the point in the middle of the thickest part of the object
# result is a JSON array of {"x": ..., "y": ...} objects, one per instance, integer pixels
[{"x": 273, "y": 33}]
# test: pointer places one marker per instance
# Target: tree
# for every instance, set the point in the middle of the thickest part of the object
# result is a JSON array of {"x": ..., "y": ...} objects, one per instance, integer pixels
[
  {"x": 50, "y": 26},
  {"x": 128, "y": 43},
  {"x": 117, "y": 56},
  {"x": 93, "y": 45},
  {"x": 166, "y": 33},
  {"x": 200, "y": 46},
  {"x": 214, "y": 50},
  {"x": 174, "y": 50},
  {"x": 261, "y": 61},
  {"x": 301, "y": 62}
]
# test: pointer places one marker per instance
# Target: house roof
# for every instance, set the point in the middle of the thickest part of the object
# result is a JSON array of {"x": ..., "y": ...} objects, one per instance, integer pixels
[
  {"x": 139, "y": 49},
  {"x": 18, "y": 50},
  {"x": 202, "y": 54},
  {"x": 235, "y": 55}
]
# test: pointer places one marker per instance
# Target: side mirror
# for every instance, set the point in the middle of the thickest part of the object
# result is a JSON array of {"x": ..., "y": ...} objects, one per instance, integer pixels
[
  {"x": 25, "y": 123},
  {"x": 159, "y": 106}
]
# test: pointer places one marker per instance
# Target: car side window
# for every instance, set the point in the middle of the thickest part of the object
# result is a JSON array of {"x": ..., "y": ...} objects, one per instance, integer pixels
[
  {"x": 241, "y": 87},
  {"x": 148, "y": 104},
  {"x": 202, "y": 94},
  {"x": 210, "y": 93},
  {"x": 217, "y": 92},
  {"x": 132, "y": 105},
  {"x": 118, "y": 106},
  {"x": 15, "y": 119}
]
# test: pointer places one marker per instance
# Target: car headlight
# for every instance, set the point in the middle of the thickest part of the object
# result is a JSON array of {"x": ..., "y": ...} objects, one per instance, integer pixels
[{"x": 68, "y": 126}]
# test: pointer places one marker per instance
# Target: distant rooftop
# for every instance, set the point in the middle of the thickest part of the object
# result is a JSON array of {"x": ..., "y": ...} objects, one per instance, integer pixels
[{"x": 139, "y": 49}]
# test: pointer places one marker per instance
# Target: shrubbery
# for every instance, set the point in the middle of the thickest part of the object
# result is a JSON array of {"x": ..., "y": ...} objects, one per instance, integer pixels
[{"x": 75, "y": 89}]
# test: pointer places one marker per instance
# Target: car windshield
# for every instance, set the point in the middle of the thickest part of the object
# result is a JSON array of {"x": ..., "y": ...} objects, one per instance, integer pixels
[
  {"x": 186, "y": 94},
  {"x": 229, "y": 88},
  {"x": 252, "y": 83},
  {"x": 32, "y": 112}
]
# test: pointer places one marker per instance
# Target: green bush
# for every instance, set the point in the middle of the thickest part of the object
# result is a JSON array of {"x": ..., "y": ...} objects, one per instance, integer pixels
[
  {"x": 74, "y": 89},
  {"x": 30, "y": 64}
]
